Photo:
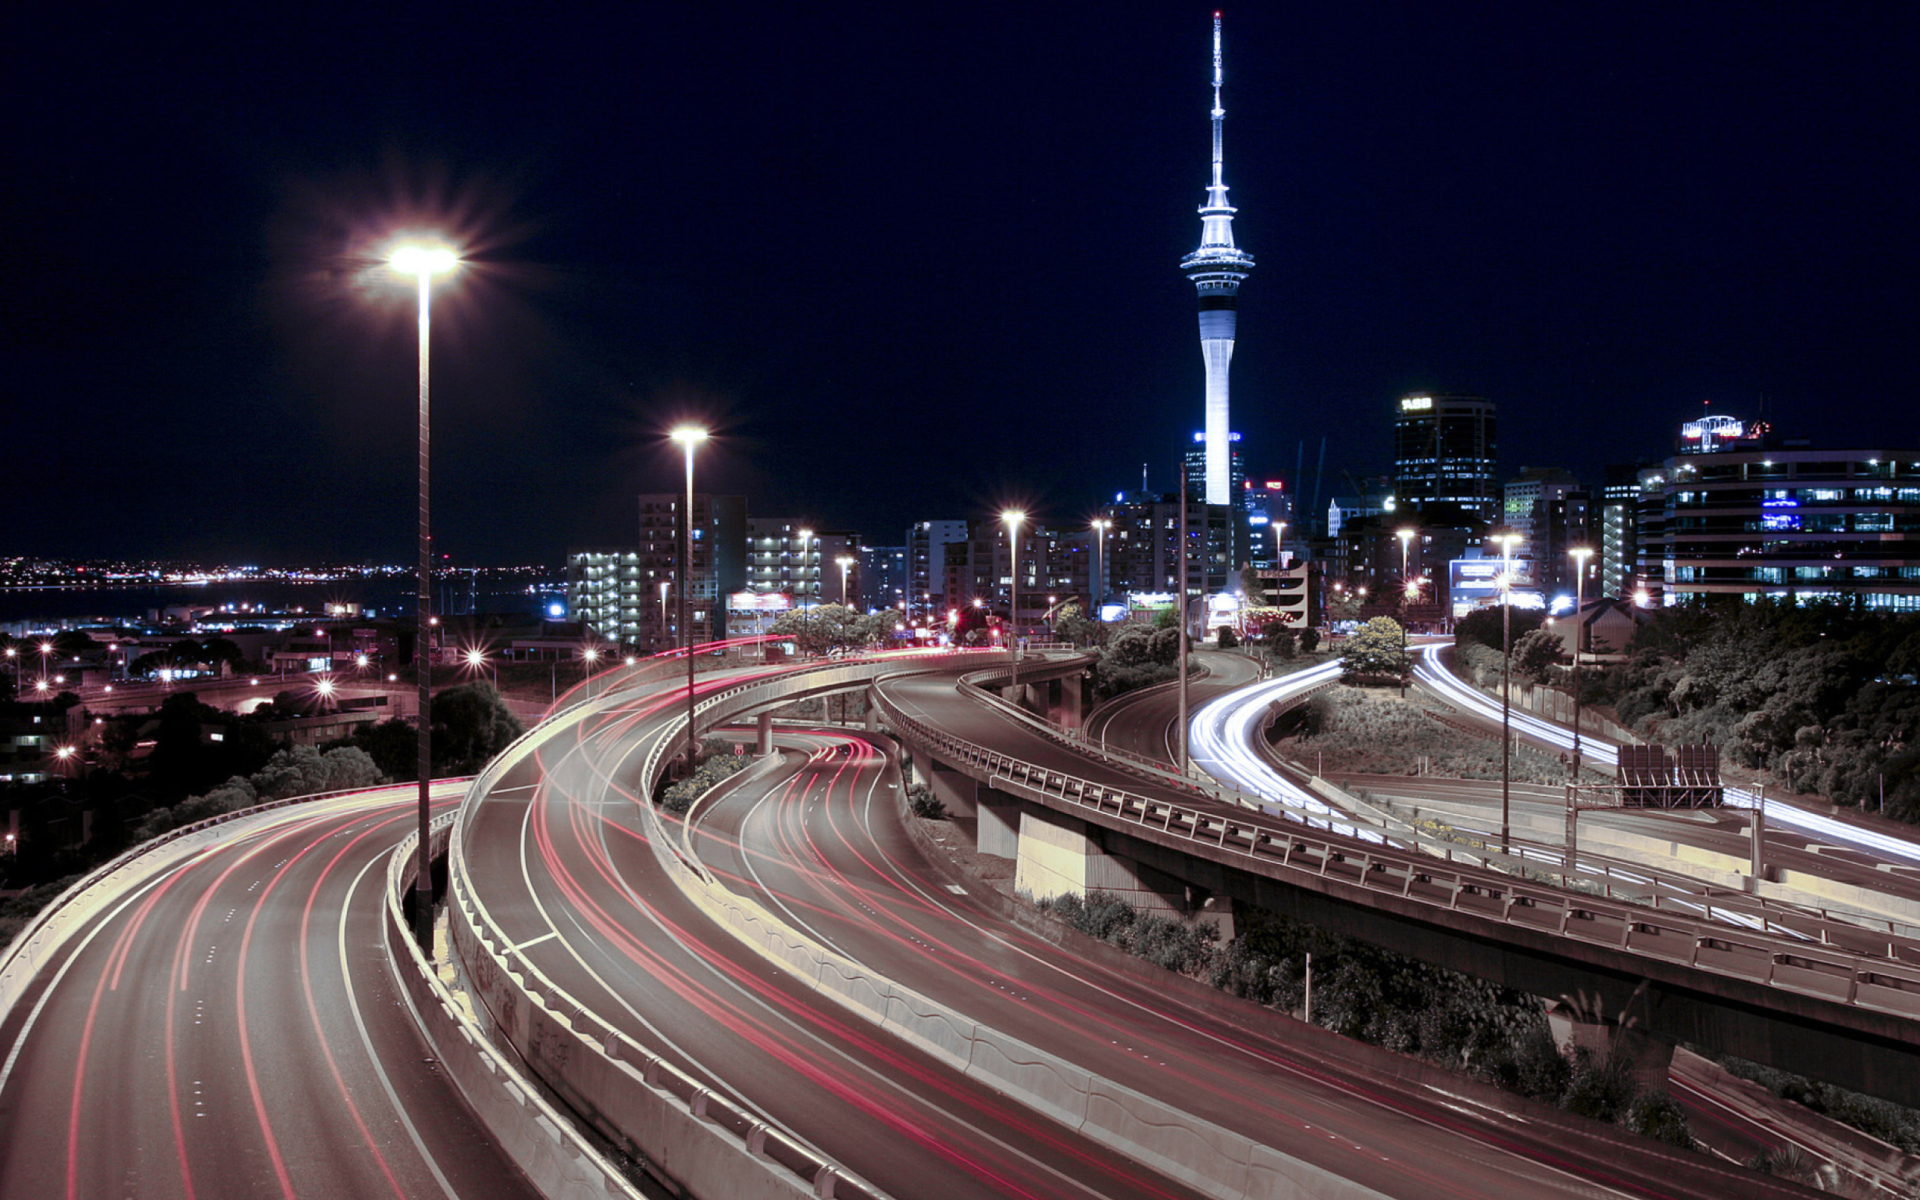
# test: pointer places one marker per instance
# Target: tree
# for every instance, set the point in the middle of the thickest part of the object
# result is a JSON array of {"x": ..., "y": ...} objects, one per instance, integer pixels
[
  {"x": 1074, "y": 626},
  {"x": 1535, "y": 653},
  {"x": 1485, "y": 626},
  {"x": 1376, "y": 651},
  {"x": 394, "y": 747},
  {"x": 1309, "y": 640},
  {"x": 471, "y": 724},
  {"x": 827, "y": 627}
]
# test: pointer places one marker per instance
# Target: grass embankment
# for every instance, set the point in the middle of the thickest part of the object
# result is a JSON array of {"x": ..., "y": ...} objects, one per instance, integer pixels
[{"x": 1372, "y": 731}]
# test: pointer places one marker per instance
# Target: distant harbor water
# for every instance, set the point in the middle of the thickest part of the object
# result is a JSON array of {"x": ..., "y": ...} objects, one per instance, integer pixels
[{"x": 27, "y": 609}]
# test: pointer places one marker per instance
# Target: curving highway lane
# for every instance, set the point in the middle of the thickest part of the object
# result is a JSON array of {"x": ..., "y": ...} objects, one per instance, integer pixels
[{"x": 231, "y": 1029}]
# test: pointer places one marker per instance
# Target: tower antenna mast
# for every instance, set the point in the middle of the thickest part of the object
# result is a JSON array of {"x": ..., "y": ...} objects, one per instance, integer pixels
[{"x": 1216, "y": 269}]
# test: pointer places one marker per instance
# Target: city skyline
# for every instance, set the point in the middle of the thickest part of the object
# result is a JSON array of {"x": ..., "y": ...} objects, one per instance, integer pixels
[{"x": 1598, "y": 221}]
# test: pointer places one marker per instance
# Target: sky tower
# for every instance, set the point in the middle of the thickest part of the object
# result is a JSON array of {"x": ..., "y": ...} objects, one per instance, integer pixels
[{"x": 1216, "y": 269}]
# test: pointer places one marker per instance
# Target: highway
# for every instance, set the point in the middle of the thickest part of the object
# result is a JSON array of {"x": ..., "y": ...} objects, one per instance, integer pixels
[
  {"x": 231, "y": 1029},
  {"x": 560, "y": 854},
  {"x": 1895, "y": 847},
  {"x": 1145, "y": 721},
  {"x": 862, "y": 887}
]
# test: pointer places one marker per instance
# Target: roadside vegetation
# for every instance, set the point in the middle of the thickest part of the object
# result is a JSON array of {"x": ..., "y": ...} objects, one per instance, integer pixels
[
  {"x": 1494, "y": 1034},
  {"x": 714, "y": 762},
  {"x": 1821, "y": 697},
  {"x": 1367, "y": 731},
  {"x": 154, "y": 772}
]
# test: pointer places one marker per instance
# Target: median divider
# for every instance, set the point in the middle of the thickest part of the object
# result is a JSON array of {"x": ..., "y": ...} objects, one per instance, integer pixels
[
  {"x": 539, "y": 1140},
  {"x": 696, "y": 1141},
  {"x": 1206, "y": 1157}
]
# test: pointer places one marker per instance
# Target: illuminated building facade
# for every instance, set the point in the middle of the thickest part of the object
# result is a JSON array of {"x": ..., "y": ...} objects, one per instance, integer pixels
[
  {"x": 719, "y": 564},
  {"x": 1216, "y": 269},
  {"x": 1754, "y": 521},
  {"x": 1443, "y": 453}
]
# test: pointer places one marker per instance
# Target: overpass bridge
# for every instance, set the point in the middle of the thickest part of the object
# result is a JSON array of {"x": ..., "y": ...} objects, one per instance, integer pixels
[{"x": 1831, "y": 1001}]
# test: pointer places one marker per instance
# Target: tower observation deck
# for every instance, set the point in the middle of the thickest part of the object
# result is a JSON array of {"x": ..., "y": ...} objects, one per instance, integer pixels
[{"x": 1216, "y": 269}]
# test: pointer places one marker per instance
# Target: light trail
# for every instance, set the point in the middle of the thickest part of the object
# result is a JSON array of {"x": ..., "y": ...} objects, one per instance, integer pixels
[
  {"x": 1221, "y": 738},
  {"x": 1431, "y": 674}
]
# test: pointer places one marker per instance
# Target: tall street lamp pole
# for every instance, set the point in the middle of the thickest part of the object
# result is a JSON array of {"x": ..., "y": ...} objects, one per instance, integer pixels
[
  {"x": 1180, "y": 606},
  {"x": 806, "y": 540},
  {"x": 1099, "y": 588},
  {"x": 1013, "y": 517},
  {"x": 844, "y": 561},
  {"x": 1580, "y": 555},
  {"x": 688, "y": 436},
  {"x": 423, "y": 262},
  {"x": 1506, "y": 541},
  {"x": 1408, "y": 592}
]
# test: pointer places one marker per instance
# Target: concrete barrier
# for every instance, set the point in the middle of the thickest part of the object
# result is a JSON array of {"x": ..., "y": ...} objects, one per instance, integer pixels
[
  {"x": 43, "y": 937},
  {"x": 1206, "y": 1157},
  {"x": 695, "y": 1141},
  {"x": 692, "y": 1140}
]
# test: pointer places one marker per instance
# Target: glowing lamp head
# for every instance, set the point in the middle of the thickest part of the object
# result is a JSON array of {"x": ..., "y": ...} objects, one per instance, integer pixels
[
  {"x": 324, "y": 687},
  {"x": 423, "y": 260},
  {"x": 1013, "y": 517},
  {"x": 475, "y": 658},
  {"x": 689, "y": 435},
  {"x": 592, "y": 655}
]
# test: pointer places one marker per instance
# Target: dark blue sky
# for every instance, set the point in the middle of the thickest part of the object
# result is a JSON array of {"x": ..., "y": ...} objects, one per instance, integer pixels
[{"x": 917, "y": 261}]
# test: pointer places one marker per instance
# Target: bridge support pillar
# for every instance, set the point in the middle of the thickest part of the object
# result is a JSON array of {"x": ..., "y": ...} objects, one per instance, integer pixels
[
  {"x": 1072, "y": 709},
  {"x": 1061, "y": 854},
  {"x": 997, "y": 830},
  {"x": 763, "y": 743},
  {"x": 949, "y": 786},
  {"x": 1647, "y": 1056}
]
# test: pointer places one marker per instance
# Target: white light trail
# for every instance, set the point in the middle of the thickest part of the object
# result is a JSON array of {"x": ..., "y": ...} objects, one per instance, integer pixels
[{"x": 1428, "y": 671}]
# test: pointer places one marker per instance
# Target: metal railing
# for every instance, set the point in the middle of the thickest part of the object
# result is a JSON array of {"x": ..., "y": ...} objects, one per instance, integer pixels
[{"x": 1843, "y": 975}]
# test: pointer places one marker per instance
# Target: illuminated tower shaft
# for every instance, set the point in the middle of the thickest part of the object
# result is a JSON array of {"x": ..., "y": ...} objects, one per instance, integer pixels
[{"x": 1216, "y": 269}]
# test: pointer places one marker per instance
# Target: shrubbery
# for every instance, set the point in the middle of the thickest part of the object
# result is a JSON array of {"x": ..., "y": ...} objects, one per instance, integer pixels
[
  {"x": 299, "y": 771},
  {"x": 713, "y": 762},
  {"x": 1369, "y": 734},
  {"x": 1825, "y": 695},
  {"x": 1494, "y": 1033}
]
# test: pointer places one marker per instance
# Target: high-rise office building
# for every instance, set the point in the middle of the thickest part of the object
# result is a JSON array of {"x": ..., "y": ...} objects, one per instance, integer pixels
[
  {"x": 719, "y": 564},
  {"x": 1216, "y": 269},
  {"x": 1443, "y": 453},
  {"x": 1619, "y": 529},
  {"x": 927, "y": 543}
]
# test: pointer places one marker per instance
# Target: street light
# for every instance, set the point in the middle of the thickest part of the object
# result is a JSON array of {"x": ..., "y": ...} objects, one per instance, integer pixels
[
  {"x": 1099, "y": 589},
  {"x": 423, "y": 262},
  {"x": 664, "y": 623},
  {"x": 689, "y": 436},
  {"x": 844, "y": 561},
  {"x": 1507, "y": 542},
  {"x": 1580, "y": 555},
  {"x": 1013, "y": 517},
  {"x": 806, "y": 540},
  {"x": 588, "y": 657},
  {"x": 1411, "y": 593}
]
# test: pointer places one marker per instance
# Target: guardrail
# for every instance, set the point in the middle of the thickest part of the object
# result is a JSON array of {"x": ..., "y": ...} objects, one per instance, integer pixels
[
  {"x": 561, "y": 1163},
  {"x": 1718, "y": 948},
  {"x": 50, "y": 928},
  {"x": 600, "y": 1072}
]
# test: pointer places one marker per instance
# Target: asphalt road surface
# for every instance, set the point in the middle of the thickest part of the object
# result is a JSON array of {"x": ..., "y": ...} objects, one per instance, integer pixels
[{"x": 231, "y": 1029}]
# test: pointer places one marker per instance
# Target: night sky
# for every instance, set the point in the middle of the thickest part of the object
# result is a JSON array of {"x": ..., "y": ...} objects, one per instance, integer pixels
[{"x": 913, "y": 262}]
